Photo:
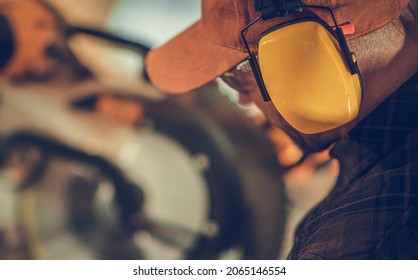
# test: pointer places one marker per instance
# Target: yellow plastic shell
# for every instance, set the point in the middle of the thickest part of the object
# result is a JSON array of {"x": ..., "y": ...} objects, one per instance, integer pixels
[{"x": 307, "y": 78}]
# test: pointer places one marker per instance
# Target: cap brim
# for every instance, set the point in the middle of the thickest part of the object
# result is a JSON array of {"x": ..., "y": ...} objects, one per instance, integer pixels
[{"x": 189, "y": 61}]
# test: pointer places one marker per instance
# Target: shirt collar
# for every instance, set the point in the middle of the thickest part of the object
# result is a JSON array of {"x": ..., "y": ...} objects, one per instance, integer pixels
[{"x": 385, "y": 128}]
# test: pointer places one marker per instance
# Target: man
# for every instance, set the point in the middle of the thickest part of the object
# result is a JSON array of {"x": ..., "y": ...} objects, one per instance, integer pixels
[{"x": 372, "y": 212}]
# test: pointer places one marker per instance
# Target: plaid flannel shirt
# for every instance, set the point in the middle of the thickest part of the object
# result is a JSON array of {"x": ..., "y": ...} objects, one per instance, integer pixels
[{"x": 372, "y": 212}]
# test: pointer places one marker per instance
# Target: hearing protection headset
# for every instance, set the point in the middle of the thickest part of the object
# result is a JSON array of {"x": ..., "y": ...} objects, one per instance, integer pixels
[{"x": 305, "y": 68}]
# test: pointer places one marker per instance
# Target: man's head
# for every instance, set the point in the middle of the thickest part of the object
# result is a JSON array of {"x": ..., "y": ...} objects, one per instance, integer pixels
[{"x": 213, "y": 46}]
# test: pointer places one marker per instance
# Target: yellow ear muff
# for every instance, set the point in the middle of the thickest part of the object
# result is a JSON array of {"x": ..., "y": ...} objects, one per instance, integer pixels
[{"x": 307, "y": 78}]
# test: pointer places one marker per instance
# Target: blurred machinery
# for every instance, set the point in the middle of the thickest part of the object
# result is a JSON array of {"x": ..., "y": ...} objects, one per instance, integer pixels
[{"x": 98, "y": 166}]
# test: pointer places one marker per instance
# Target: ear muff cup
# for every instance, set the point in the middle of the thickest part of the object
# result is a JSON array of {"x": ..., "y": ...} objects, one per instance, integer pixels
[
  {"x": 6, "y": 42},
  {"x": 307, "y": 77}
]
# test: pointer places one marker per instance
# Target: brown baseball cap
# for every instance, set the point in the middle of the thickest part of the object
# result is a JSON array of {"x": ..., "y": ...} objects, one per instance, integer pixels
[{"x": 213, "y": 44}]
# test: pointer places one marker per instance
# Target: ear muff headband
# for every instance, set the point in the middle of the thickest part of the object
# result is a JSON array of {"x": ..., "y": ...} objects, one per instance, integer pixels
[{"x": 308, "y": 72}]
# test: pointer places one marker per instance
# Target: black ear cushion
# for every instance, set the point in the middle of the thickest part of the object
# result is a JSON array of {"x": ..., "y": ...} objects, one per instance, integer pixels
[{"x": 6, "y": 42}]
